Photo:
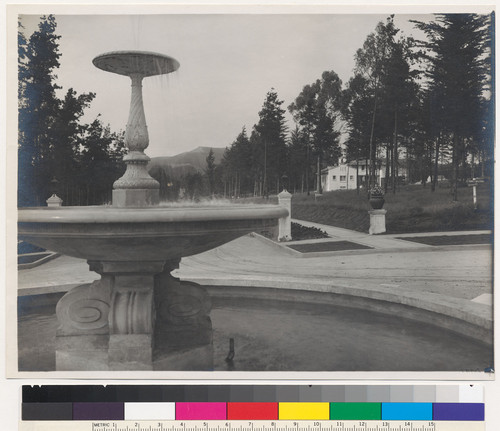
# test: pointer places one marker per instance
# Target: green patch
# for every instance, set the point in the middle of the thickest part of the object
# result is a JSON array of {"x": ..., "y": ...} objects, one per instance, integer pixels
[
  {"x": 356, "y": 411},
  {"x": 328, "y": 246},
  {"x": 451, "y": 239}
]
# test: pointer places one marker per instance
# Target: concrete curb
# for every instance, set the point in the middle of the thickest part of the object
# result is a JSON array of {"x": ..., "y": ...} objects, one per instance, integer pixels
[
  {"x": 283, "y": 246},
  {"x": 48, "y": 256}
]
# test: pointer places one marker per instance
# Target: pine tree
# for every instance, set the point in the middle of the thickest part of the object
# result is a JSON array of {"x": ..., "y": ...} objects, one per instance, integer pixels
[
  {"x": 52, "y": 141},
  {"x": 271, "y": 131},
  {"x": 456, "y": 52},
  {"x": 210, "y": 172},
  {"x": 38, "y": 108}
]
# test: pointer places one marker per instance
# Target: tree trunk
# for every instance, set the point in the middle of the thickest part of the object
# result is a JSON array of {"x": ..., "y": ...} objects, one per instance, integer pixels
[
  {"x": 464, "y": 161},
  {"x": 318, "y": 176},
  {"x": 372, "y": 145},
  {"x": 394, "y": 150},
  {"x": 387, "y": 173},
  {"x": 367, "y": 177},
  {"x": 482, "y": 165},
  {"x": 455, "y": 163},
  {"x": 265, "y": 169},
  {"x": 472, "y": 166},
  {"x": 308, "y": 161},
  {"x": 357, "y": 176},
  {"x": 436, "y": 163}
]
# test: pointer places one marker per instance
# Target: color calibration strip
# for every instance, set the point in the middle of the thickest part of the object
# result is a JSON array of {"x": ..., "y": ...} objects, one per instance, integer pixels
[
  {"x": 253, "y": 402},
  {"x": 218, "y": 411}
]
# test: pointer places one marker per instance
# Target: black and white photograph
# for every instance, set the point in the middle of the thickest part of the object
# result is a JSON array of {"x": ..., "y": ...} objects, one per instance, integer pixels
[{"x": 263, "y": 191}]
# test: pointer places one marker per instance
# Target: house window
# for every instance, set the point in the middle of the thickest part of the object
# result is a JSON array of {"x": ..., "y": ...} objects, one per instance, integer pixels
[
  {"x": 342, "y": 178},
  {"x": 334, "y": 177},
  {"x": 351, "y": 177},
  {"x": 362, "y": 167}
]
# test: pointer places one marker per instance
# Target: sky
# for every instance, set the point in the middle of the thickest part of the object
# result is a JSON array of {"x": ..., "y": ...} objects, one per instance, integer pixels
[{"x": 228, "y": 63}]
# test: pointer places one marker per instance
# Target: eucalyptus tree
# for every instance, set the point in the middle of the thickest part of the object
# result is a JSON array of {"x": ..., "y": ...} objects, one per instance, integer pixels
[
  {"x": 297, "y": 154},
  {"x": 356, "y": 109},
  {"x": 317, "y": 112},
  {"x": 384, "y": 63},
  {"x": 370, "y": 63}
]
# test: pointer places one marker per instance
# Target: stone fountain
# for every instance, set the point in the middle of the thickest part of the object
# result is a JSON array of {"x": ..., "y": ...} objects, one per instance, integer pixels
[{"x": 137, "y": 316}]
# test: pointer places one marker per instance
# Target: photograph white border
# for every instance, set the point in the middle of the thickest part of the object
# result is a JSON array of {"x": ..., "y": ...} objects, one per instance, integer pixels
[{"x": 11, "y": 173}]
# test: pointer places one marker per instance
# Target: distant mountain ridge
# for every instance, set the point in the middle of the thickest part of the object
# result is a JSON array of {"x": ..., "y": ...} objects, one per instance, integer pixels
[{"x": 184, "y": 163}]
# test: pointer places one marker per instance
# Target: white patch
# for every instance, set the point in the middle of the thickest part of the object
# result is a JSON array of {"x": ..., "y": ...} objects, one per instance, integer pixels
[{"x": 485, "y": 298}]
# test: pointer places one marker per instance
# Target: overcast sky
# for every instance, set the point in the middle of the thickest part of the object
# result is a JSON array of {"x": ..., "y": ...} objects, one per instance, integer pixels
[{"x": 227, "y": 65}]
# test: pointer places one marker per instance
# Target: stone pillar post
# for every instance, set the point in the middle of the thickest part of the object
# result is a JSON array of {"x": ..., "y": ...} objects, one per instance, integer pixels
[
  {"x": 377, "y": 221},
  {"x": 54, "y": 201},
  {"x": 285, "y": 223}
]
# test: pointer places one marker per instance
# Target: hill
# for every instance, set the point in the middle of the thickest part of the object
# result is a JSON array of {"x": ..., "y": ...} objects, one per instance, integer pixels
[{"x": 184, "y": 163}]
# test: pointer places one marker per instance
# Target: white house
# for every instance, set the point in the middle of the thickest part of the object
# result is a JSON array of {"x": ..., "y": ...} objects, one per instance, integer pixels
[
  {"x": 340, "y": 177},
  {"x": 343, "y": 176}
]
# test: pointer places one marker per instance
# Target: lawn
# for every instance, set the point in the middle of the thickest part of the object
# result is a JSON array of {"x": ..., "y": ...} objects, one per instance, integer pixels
[{"x": 412, "y": 209}]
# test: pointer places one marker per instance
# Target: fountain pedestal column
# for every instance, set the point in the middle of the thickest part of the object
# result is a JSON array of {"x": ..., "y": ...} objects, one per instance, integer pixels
[
  {"x": 109, "y": 324},
  {"x": 132, "y": 313},
  {"x": 112, "y": 324},
  {"x": 136, "y": 188}
]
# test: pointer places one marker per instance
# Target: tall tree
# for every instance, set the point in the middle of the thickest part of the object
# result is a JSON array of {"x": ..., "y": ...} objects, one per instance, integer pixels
[
  {"x": 384, "y": 62},
  {"x": 370, "y": 63},
  {"x": 52, "y": 141},
  {"x": 66, "y": 140},
  {"x": 99, "y": 162},
  {"x": 456, "y": 52},
  {"x": 270, "y": 140},
  {"x": 38, "y": 108},
  {"x": 210, "y": 172},
  {"x": 297, "y": 154},
  {"x": 317, "y": 111},
  {"x": 237, "y": 166},
  {"x": 356, "y": 108}
]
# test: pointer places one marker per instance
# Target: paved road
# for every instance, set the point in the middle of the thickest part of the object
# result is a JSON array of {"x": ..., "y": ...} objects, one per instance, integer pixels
[{"x": 462, "y": 272}]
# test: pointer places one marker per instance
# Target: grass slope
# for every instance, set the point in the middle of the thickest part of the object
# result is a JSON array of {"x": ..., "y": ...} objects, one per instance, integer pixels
[{"x": 412, "y": 209}]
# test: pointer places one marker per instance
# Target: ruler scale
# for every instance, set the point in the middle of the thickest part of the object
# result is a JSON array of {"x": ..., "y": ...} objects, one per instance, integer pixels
[{"x": 252, "y": 426}]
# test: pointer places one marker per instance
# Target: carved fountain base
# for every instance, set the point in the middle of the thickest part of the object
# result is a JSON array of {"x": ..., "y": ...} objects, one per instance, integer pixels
[{"x": 137, "y": 317}]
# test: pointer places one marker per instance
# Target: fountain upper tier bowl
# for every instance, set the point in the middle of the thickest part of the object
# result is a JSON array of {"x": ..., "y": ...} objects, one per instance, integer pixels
[
  {"x": 142, "y": 63},
  {"x": 147, "y": 234}
]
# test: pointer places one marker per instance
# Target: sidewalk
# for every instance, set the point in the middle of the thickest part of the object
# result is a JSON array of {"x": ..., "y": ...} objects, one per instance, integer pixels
[
  {"x": 378, "y": 242},
  {"x": 58, "y": 275},
  {"x": 253, "y": 257}
]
